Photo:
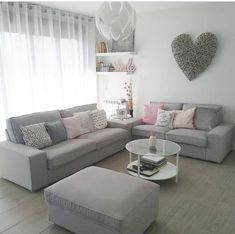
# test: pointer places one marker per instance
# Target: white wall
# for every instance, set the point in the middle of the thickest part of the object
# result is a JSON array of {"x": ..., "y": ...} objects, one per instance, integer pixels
[{"x": 159, "y": 78}]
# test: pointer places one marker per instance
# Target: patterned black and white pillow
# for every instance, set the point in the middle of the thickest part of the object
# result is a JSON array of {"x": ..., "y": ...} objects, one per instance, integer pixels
[
  {"x": 99, "y": 119},
  {"x": 165, "y": 118},
  {"x": 36, "y": 136}
]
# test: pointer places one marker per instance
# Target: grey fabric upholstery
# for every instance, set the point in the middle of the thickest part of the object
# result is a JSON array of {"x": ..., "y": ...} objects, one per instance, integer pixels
[
  {"x": 220, "y": 142},
  {"x": 145, "y": 130},
  {"x": 127, "y": 124},
  {"x": 206, "y": 116},
  {"x": 112, "y": 204},
  {"x": 188, "y": 136},
  {"x": 67, "y": 151},
  {"x": 23, "y": 165},
  {"x": 84, "y": 161},
  {"x": 14, "y": 123},
  {"x": 106, "y": 136},
  {"x": 70, "y": 111},
  {"x": 170, "y": 106},
  {"x": 57, "y": 131}
]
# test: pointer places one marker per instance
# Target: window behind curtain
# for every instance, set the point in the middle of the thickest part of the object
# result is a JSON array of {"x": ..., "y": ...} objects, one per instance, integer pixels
[{"x": 47, "y": 60}]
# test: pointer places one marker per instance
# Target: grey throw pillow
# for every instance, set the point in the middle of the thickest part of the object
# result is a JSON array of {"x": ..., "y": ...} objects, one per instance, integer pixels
[
  {"x": 56, "y": 131},
  {"x": 36, "y": 136}
]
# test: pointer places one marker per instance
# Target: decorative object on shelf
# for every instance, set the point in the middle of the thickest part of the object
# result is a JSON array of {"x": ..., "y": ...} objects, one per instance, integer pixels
[
  {"x": 115, "y": 20},
  {"x": 194, "y": 58},
  {"x": 129, "y": 92},
  {"x": 152, "y": 142},
  {"x": 129, "y": 67},
  {"x": 102, "y": 48}
]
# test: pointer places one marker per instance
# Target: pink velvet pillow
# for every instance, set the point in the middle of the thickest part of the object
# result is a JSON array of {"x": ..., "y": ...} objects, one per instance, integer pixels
[
  {"x": 72, "y": 126},
  {"x": 150, "y": 113},
  {"x": 184, "y": 118}
]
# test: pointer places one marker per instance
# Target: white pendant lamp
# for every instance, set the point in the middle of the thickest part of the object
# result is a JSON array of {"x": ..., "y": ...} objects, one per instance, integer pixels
[{"x": 115, "y": 20}]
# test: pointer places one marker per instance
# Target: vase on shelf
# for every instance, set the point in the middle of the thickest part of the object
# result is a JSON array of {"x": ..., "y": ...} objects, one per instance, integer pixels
[{"x": 130, "y": 106}]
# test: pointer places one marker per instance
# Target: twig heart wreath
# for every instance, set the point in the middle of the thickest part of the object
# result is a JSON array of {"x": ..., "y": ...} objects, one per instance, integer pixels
[{"x": 194, "y": 58}]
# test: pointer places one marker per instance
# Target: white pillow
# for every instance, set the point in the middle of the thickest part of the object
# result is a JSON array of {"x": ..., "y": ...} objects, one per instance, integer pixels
[
  {"x": 165, "y": 118},
  {"x": 99, "y": 119},
  {"x": 85, "y": 122}
]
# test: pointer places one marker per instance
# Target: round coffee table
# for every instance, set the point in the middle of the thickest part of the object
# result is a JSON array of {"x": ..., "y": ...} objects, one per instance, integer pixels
[{"x": 164, "y": 148}]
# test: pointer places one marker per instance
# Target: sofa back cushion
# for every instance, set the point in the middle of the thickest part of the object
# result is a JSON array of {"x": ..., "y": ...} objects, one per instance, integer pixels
[
  {"x": 14, "y": 123},
  {"x": 69, "y": 112},
  {"x": 206, "y": 116},
  {"x": 168, "y": 106}
]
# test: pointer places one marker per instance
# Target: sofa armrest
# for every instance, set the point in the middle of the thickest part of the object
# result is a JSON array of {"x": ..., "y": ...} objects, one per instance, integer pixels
[
  {"x": 220, "y": 142},
  {"x": 23, "y": 165},
  {"x": 125, "y": 124}
]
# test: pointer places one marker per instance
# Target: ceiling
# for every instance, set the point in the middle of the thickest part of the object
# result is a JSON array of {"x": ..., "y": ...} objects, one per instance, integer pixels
[{"x": 90, "y": 8}]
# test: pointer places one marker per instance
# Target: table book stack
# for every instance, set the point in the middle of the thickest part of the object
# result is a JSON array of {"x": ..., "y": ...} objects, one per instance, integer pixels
[{"x": 149, "y": 165}]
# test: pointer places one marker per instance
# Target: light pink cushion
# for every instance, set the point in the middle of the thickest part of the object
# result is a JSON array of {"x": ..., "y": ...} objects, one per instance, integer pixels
[
  {"x": 184, "y": 118},
  {"x": 150, "y": 113},
  {"x": 72, "y": 126}
]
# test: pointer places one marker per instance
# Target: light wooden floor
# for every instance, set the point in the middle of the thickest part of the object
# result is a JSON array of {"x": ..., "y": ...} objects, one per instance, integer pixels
[{"x": 203, "y": 202}]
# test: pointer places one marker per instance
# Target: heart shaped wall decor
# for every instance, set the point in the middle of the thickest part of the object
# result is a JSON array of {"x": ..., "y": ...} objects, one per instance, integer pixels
[{"x": 194, "y": 58}]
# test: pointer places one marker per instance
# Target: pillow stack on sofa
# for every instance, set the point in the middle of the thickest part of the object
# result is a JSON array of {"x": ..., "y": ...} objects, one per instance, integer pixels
[
  {"x": 44, "y": 134},
  {"x": 189, "y": 118}
]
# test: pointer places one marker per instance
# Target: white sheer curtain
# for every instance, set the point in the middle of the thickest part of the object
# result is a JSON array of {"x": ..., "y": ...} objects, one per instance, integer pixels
[{"x": 47, "y": 60}]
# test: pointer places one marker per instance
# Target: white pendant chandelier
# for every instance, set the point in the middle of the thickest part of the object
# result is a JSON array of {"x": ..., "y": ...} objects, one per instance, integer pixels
[{"x": 115, "y": 20}]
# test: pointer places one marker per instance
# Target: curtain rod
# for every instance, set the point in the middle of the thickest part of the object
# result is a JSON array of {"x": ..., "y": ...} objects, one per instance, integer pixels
[{"x": 46, "y": 8}]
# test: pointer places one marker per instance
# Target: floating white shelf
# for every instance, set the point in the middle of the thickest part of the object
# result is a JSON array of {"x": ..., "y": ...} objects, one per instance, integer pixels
[
  {"x": 115, "y": 54},
  {"x": 113, "y": 73}
]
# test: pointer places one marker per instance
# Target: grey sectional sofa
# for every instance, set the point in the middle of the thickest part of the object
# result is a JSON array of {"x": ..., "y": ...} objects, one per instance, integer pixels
[
  {"x": 212, "y": 139},
  {"x": 34, "y": 169}
]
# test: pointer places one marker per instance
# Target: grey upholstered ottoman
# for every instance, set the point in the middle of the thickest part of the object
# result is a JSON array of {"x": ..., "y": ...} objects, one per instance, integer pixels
[{"x": 101, "y": 201}]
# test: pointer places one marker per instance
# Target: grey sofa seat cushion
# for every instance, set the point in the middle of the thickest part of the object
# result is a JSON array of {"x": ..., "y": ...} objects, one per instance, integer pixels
[
  {"x": 106, "y": 136},
  {"x": 206, "y": 116},
  {"x": 145, "y": 130},
  {"x": 14, "y": 123},
  {"x": 102, "y": 196},
  {"x": 188, "y": 136},
  {"x": 67, "y": 151},
  {"x": 71, "y": 111},
  {"x": 169, "y": 106}
]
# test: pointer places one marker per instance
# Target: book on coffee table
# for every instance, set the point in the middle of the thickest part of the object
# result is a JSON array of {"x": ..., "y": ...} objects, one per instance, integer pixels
[{"x": 143, "y": 170}]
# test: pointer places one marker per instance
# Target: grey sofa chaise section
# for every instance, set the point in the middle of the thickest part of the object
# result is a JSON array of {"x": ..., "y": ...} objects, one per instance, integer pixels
[
  {"x": 101, "y": 201},
  {"x": 211, "y": 140},
  {"x": 34, "y": 169}
]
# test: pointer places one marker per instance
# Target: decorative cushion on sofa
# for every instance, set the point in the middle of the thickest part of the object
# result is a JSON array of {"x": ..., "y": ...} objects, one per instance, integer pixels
[
  {"x": 188, "y": 136},
  {"x": 165, "y": 118},
  {"x": 99, "y": 119},
  {"x": 36, "y": 136},
  {"x": 145, "y": 130},
  {"x": 56, "y": 131},
  {"x": 184, "y": 118},
  {"x": 86, "y": 122},
  {"x": 150, "y": 113},
  {"x": 72, "y": 126}
]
